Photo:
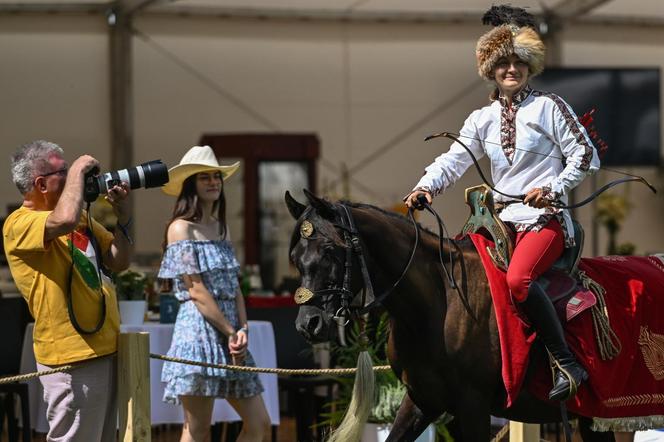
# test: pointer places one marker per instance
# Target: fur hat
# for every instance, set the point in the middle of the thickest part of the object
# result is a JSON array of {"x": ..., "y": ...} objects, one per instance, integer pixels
[
  {"x": 514, "y": 34},
  {"x": 197, "y": 159}
]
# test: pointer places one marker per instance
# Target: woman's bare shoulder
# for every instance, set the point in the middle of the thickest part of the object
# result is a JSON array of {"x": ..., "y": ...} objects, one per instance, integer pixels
[{"x": 179, "y": 230}]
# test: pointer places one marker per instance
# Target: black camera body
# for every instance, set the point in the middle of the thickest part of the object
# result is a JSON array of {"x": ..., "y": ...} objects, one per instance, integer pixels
[{"x": 151, "y": 174}]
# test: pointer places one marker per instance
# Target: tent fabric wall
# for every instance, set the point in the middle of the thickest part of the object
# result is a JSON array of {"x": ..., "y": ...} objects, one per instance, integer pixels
[{"x": 364, "y": 88}]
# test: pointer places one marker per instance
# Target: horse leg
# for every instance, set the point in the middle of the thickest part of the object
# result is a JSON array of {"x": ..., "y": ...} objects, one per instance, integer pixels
[
  {"x": 593, "y": 436},
  {"x": 472, "y": 420},
  {"x": 409, "y": 422}
]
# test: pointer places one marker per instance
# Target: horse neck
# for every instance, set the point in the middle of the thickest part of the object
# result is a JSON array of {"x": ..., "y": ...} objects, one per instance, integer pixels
[
  {"x": 424, "y": 294},
  {"x": 388, "y": 243}
]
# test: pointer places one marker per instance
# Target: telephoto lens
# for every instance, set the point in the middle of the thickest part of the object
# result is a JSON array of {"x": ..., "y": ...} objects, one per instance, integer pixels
[{"x": 151, "y": 174}]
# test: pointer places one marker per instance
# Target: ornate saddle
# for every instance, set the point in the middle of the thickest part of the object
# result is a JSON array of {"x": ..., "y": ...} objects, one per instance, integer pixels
[
  {"x": 560, "y": 282},
  {"x": 483, "y": 216}
]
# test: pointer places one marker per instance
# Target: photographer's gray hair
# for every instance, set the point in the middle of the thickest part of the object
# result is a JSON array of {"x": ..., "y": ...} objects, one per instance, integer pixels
[{"x": 31, "y": 160}]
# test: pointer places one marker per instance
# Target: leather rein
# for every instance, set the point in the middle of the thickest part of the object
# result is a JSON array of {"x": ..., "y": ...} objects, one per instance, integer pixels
[{"x": 362, "y": 303}]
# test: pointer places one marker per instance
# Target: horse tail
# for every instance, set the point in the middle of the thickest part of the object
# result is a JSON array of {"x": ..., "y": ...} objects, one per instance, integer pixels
[{"x": 352, "y": 425}]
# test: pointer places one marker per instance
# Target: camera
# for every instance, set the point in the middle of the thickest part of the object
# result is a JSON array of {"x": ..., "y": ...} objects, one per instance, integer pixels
[{"x": 151, "y": 174}]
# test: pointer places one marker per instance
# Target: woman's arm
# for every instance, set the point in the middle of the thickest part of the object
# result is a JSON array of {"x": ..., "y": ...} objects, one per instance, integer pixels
[
  {"x": 207, "y": 305},
  {"x": 243, "y": 333}
]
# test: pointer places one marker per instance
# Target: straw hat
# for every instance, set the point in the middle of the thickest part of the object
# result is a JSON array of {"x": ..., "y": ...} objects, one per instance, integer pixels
[{"x": 197, "y": 159}]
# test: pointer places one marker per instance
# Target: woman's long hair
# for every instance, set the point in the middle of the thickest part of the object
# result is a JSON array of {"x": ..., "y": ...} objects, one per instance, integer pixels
[{"x": 188, "y": 207}]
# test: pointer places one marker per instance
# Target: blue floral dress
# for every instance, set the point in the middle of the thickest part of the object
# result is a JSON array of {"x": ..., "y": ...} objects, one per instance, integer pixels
[{"x": 194, "y": 337}]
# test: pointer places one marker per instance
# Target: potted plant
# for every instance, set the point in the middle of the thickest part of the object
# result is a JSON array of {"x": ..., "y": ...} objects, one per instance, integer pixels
[
  {"x": 389, "y": 390},
  {"x": 612, "y": 209},
  {"x": 130, "y": 288}
]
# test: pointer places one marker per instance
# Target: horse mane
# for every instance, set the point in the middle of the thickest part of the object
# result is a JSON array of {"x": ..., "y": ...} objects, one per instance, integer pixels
[
  {"x": 404, "y": 221},
  {"x": 390, "y": 214}
]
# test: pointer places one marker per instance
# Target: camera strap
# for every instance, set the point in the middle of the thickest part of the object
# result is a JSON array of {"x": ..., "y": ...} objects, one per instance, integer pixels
[{"x": 70, "y": 301}]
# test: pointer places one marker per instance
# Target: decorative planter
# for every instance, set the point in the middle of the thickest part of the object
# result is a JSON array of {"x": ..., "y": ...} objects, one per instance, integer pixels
[
  {"x": 379, "y": 433},
  {"x": 133, "y": 312}
]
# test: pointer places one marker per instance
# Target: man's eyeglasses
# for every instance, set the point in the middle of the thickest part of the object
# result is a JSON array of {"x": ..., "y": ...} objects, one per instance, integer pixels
[{"x": 62, "y": 171}]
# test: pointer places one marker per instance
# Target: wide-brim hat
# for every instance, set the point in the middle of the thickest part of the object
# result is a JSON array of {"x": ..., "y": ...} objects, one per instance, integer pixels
[
  {"x": 514, "y": 33},
  {"x": 197, "y": 159}
]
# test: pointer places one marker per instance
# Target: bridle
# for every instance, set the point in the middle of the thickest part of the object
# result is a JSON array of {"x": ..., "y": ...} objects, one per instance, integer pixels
[
  {"x": 366, "y": 299},
  {"x": 363, "y": 302}
]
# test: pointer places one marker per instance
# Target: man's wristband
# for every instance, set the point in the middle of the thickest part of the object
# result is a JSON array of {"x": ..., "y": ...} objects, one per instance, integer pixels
[
  {"x": 244, "y": 329},
  {"x": 124, "y": 229}
]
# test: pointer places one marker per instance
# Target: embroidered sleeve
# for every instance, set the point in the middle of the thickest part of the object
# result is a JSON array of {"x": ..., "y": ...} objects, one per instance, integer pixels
[
  {"x": 549, "y": 194},
  {"x": 450, "y": 166},
  {"x": 580, "y": 154}
]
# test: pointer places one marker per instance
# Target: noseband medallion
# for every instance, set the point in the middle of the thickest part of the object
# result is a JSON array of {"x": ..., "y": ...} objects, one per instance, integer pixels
[{"x": 302, "y": 295}]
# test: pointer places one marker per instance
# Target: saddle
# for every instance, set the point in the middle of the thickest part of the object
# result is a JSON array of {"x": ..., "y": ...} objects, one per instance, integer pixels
[{"x": 560, "y": 281}]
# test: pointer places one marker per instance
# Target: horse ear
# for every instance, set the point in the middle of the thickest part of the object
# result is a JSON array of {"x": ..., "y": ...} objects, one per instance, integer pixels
[
  {"x": 294, "y": 207},
  {"x": 323, "y": 207}
]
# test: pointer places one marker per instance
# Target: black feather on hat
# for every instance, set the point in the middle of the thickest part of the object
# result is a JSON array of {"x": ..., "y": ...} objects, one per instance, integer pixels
[{"x": 505, "y": 15}]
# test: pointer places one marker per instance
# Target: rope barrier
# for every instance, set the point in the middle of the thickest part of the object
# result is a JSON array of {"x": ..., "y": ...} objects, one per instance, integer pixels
[
  {"x": 25, "y": 377},
  {"x": 502, "y": 433},
  {"x": 298, "y": 371}
]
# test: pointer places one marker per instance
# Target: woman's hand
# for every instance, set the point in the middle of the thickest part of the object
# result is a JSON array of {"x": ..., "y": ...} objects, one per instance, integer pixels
[
  {"x": 237, "y": 345},
  {"x": 411, "y": 200},
  {"x": 536, "y": 198}
]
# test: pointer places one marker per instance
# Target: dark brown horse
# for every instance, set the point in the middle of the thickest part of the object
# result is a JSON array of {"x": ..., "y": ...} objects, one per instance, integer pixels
[{"x": 448, "y": 360}]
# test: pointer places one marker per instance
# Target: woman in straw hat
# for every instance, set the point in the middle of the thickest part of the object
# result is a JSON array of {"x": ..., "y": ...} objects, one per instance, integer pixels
[
  {"x": 211, "y": 325},
  {"x": 525, "y": 133}
]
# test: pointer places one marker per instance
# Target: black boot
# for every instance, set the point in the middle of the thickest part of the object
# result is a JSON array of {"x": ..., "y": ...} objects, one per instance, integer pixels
[{"x": 568, "y": 373}]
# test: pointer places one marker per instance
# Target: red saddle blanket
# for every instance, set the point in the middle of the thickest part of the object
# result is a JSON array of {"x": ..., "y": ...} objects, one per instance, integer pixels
[{"x": 632, "y": 383}]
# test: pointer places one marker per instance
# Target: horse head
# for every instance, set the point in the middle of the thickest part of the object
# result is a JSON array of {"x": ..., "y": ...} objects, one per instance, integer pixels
[{"x": 321, "y": 250}]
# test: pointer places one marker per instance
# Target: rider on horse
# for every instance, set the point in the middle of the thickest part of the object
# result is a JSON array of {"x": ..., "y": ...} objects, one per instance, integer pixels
[{"x": 525, "y": 133}]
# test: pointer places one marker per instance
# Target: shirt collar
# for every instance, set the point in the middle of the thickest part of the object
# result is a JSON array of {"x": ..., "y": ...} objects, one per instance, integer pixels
[{"x": 518, "y": 98}]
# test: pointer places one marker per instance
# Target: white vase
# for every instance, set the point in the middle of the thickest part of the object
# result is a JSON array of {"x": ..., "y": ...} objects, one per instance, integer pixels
[
  {"x": 379, "y": 433},
  {"x": 133, "y": 312}
]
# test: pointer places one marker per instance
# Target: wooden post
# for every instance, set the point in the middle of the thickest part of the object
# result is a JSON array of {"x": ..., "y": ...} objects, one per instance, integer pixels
[
  {"x": 520, "y": 432},
  {"x": 134, "y": 387}
]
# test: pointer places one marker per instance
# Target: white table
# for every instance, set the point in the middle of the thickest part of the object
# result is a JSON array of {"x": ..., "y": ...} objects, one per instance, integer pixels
[{"x": 261, "y": 345}]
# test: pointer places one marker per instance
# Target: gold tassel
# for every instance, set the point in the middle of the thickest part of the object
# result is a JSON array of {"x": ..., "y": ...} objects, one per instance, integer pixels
[{"x": 607, "y": 340}]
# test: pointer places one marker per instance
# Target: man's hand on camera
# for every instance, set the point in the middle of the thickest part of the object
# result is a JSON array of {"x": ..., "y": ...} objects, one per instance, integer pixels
[
  {"x": 117, "y": 197},
  {"x": 84, "y": 164}
]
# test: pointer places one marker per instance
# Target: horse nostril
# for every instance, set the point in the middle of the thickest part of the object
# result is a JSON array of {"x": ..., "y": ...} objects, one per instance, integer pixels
[{"x": 313, "y": 324}]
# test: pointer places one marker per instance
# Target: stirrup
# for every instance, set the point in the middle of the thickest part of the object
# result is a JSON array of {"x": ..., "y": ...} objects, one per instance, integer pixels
[{"x": 573, "y": 385}]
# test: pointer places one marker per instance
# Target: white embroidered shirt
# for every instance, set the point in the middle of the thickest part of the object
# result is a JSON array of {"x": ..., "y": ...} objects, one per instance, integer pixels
[{"x": 536, "y": 142}]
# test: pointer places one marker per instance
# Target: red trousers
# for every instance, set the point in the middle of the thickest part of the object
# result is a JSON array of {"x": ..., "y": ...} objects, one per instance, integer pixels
[{"x": 534, "y": 253}]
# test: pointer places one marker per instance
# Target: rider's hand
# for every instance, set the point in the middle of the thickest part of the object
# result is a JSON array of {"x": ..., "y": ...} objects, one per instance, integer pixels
[
  {"x": 536, "y": 198},
  {"x": 411, "y": 200}
]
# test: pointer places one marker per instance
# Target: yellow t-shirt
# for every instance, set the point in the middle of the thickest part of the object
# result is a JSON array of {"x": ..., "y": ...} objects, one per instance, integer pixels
[{"x": 41, "y": 273}]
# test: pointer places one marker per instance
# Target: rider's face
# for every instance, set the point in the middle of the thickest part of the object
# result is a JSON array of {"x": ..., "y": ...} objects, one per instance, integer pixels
[{"x": 511, "y": 74}]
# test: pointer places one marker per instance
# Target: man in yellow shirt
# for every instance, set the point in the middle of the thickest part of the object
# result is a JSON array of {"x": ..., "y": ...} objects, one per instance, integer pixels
[{"x": 55, "y": 252}]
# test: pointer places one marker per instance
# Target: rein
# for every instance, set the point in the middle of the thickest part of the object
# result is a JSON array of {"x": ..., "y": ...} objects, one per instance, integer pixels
[{"x": 368, "y": 299}]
